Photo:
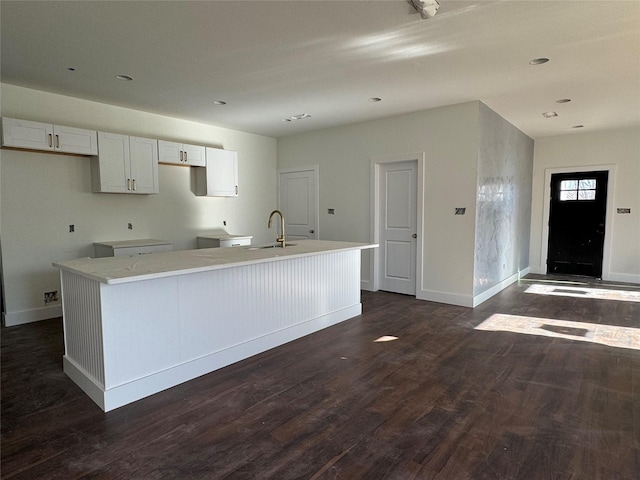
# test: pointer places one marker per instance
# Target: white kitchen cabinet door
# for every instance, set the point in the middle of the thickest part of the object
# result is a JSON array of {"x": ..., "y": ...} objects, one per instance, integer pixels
[
  {"x": 125, "y": 165},
  {"x": 181, "y": 154},
  {"x": 220, "y": 177},
  {"x": 194, "y": 155},
  {"x": 143, "y": 154},
  {"x": 75, "y": 140},
  {"x": 47, "y": 137},
  {"x": 170, "y": 152},
  {"x": 110, "y": 169},
  {"x": 26, "y": 134}
]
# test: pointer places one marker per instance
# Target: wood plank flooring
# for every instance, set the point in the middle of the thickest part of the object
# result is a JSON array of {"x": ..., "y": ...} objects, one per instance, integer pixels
[{"x": 443, "y": 401}]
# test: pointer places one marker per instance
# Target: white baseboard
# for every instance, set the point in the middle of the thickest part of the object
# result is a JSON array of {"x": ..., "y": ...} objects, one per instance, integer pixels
[
  {"x": 11, "y": 319},
  {"x": 622, "y": 277},
  {"x": 487, "y": 294},
  {"x": 609, "y": 277},
  {"x": 469, "y": 300},
  {"x": 366, "y": 285},
  {"x": 445, "y": 297},
  {"x": 123, "y": 394}
]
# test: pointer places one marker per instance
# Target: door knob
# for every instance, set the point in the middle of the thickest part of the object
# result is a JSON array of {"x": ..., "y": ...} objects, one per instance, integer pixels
[
  {"x": 311, "y": 231},
  {"x": 415, "y": 235}
]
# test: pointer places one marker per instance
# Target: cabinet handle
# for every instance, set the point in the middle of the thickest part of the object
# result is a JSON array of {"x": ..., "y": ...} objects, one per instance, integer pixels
[
  {"x": 57, "y": 141},
  {"x": 128, "y": 184},
  {"x": 236, "y": 189},
  {"x": 186, "y": 158},
  {"x": 50, "y": 140},
  {"x": 134, "y": 184},
  {"x": 181, "y": 155}
]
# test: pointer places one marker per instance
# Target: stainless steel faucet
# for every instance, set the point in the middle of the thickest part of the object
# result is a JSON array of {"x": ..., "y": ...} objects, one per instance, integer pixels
[{"x": 281, "y": 239}]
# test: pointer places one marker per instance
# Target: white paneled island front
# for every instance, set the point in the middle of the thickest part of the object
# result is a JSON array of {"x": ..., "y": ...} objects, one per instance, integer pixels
[{"x": 134, "y": 326}]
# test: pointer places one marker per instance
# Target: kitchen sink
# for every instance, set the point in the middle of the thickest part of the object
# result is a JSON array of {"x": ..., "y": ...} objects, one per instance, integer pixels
[{"x": 273, "y": 245}]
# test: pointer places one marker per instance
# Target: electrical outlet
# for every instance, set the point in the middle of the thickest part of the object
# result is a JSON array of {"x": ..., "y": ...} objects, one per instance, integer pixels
[
  {"x": 224, "y": 222},
  {"x": 51, "y": 296},
  {"x": 331, "y": 211},
  {"x": 72, "y": 228},
  {"x": 130, "y": 226}
]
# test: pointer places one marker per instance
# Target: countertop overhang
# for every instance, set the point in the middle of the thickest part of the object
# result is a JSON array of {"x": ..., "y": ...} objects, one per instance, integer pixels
[{"x": 124, "y": 269}]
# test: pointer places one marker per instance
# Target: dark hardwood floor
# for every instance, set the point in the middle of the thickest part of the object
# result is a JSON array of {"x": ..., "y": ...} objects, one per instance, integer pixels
[{"x": 442, "y": 401}]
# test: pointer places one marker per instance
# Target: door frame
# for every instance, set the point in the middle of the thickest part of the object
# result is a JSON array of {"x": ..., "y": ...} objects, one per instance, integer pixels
[
  {"x": 316, "y": 183},
  {"x": 374, "y": 257},
  {"x": 606, "y": 251}
]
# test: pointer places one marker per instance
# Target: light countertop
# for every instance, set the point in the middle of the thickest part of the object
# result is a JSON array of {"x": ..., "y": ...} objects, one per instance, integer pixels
[
  {"x": 112, "y": 270},
  {"x": 144, "y": 242},
  {"x": 224, "y": 236}
]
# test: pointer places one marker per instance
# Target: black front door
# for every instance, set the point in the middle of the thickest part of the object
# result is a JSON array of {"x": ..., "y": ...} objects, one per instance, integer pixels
[{"x": 576, "y": 223}]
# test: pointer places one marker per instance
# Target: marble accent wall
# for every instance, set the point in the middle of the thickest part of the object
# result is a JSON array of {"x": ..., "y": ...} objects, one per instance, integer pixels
[{"x": 503, "y": 201}]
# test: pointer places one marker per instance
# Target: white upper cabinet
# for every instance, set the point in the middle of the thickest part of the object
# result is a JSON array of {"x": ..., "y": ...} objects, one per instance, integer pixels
[
  {"x": 220, "y": 177},
  {"x": 125, "y": 165},
  {"x": 47, "y": 137},
  {"x": 181, "y": 154},
  {"x": 144, "y": 165}
]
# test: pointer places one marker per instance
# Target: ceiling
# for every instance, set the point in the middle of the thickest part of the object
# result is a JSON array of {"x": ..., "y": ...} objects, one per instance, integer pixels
[{"x": 269, "y": 60}]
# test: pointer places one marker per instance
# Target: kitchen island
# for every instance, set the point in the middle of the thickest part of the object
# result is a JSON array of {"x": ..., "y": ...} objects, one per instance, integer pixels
[{"x": 136, "y": 325}]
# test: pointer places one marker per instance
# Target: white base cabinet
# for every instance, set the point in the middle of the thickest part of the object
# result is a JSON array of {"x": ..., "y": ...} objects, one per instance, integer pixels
[
  {"x": 220, "y": 177},
  {"x": 131, "y": 247},
  {"x": 181, "y": 154},
  {"x": 216, "y": 241},
  {"x": 44, "y": 136},
  {"x": 125, "y": 165}
]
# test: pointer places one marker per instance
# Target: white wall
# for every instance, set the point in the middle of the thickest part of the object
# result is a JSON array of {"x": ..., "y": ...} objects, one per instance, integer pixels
[
  {"x": 619, "y": 150},
  {"x": 42, "y": 194},
  {"x": 449, "y": 138},
  {"x": 503, "y": 216}
]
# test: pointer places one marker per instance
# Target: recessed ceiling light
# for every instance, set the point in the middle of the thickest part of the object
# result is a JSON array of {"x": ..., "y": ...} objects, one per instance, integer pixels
[
  {"x": 550, "y": 114},
  {"x": 563, "y": 100},
  {"x": 538, "y": 61},
  {"x": 219, "y": 102},
  {"x": 578, "y": 126},
  {"x": 124, "y": 78},
  {"x": 300, "y": 116},
  {"x": 375, "y": 99}
]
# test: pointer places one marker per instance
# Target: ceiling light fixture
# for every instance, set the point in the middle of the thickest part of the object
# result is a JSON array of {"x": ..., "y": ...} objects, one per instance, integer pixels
[
  {"x": 426, "y": 8},
  {"x": 219, "y": 102},
  {"x": 71, "y": 69},
  {"x": 550, "y": 114},
  {"x": 563, "y": 100},
  {"x": 301, "y": 116},
  {"x": 578, "y": 126},
  {"x": 375, "y": 99},
  {"x": 124, "y": 78},
  {"x": 538, "y": 61}
]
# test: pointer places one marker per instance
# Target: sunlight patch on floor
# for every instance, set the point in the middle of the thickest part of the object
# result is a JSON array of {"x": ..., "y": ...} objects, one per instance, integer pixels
[
  {"x": 586, "y": 292},
  {"x": 611, "y": 335},
  {"x": 385, "y": 338}
]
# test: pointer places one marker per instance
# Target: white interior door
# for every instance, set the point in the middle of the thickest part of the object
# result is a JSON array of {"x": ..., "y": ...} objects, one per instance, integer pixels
[
  {"x": 398, "y": 226},
  {"x": 298, "y": 201}
]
